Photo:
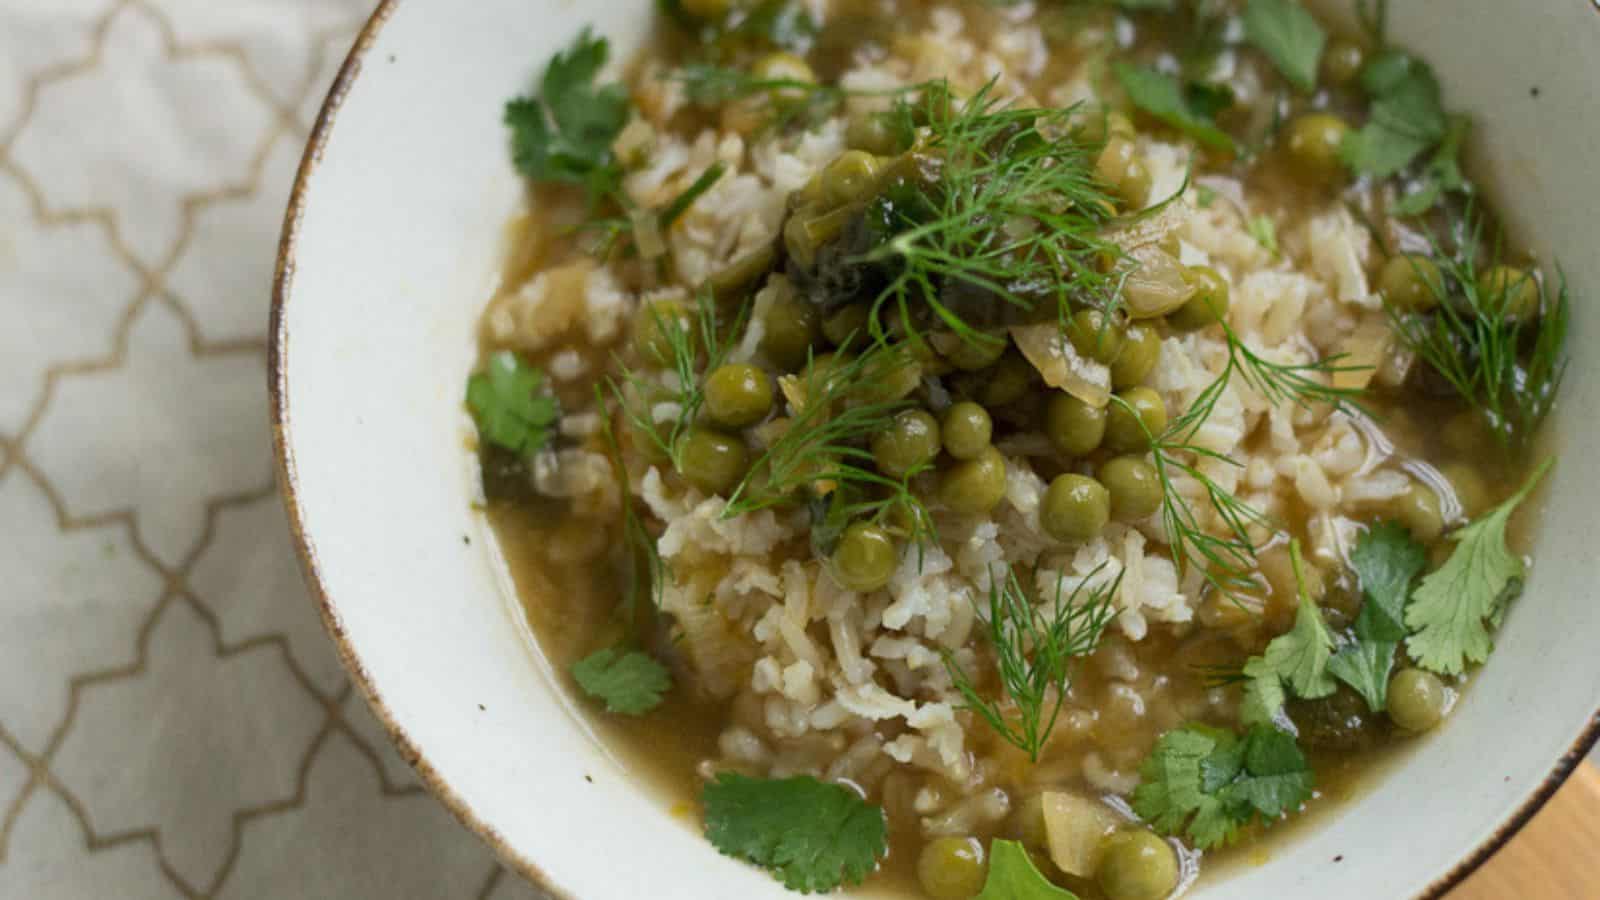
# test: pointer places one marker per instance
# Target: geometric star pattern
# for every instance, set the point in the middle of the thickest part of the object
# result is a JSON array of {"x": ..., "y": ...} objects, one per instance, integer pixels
[{"x": 173, "y": 722}]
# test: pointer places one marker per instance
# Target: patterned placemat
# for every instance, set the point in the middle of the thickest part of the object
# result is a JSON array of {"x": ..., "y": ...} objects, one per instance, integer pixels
[{"x": 173, "y": 722}]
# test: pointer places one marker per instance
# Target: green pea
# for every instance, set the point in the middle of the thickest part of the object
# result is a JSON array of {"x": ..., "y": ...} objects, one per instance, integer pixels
[
  {"x": 865, "y": 559},
  {"x": 1470, "y": 487},
  {"x": 1314, "y": 141},
  {"x": 911, "y": 440},
  {"x": 735, "y": 280},
  {"x": 976, "y": 485},
  {"x": 791, "y": 327},
  {"x": 848, "y": 326},
  {"x": 654, "y": 325},
  {"x": 711, "y": 461},
  {"x": 966, "y": 429},
  {"x": 1208, "y": 306},
  {"x": 874, "y": 133},
  {"x": 1008, "y": 381},
  {"x": 1073, "y": 426},
  {"x": 1420, "y": 511},
  {"x": 972, "y": 353},
  {"x": 1411, "y": 283},
  {"x": 888, "y": 376},
  {"x": 1342, "y": 62},
  {"x": 738, "y": 395},
  {"x": 1095, "y": 336},
  {"x": 1513, "y": 291},
  {"x": 785, "y": 67},
  {"x": 1417, "y": 700},
  {"x": 951, "y": 868},
  {"x": 1120, "y": 169},
  {"x": 1132, "y": 423},
  {"x": 1135, "y": 488},
  {"x": 1141, "y": 350},
  {"x": 1076, "y": 508},
  {"x": 851, "y": 178},
  {"x": 1137, "y": 865}
]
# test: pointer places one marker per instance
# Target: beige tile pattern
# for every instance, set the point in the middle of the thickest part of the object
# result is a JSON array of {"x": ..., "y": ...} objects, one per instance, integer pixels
[{"x": 173, "y": 722}]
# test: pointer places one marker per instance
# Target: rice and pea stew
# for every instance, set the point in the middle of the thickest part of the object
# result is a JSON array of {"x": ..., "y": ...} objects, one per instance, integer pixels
[{"x": 1008, "y": 450}]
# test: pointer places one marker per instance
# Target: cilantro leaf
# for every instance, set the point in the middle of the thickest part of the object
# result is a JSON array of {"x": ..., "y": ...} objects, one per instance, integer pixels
[
  {"x": 565, "y": 132},
  {"x": 1276, "y": 778},
  {"x": 1263, "y": 700},
  {"x": 1442, "y": 174},
  {"x": 1164, "y": 97},
  {"x": 1366, "y": 666},
  {"x": 1299, "y": 657},
  {"x": 1448, "y": 612},
  {"x": 1289, "y": 36},
  {"x": 812, "y": 836},
  {"x": 1387, "y": 560},
  {"x": 630, "y": 683},
  {"x": 1406, "y": 118},
  {"x": 1208, "y": 784},
  {"x": 1012, "y": 876},
  {"x": 506, "y": 403},
  {"x": 1170, "y": 786}
]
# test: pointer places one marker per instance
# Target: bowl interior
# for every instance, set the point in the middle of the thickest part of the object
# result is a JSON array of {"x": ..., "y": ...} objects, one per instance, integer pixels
[{"x": 394, "y": 247}]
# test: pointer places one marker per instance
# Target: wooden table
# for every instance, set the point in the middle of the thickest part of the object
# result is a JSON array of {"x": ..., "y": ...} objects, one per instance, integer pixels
[{"x": 1554, "y": 857}]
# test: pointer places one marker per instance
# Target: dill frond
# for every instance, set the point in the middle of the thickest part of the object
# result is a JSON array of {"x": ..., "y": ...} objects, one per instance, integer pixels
[
  {"x": 1509, "y": 370},
  {"x": 1034, "y": 648},
  {"x": 1302, "y": 384},
  {"x": 824, "y": 451},
  {"x": 1014, "y": 222},
  {"x": 693, "y": 349},
  {"x": 645, "y": 574}
]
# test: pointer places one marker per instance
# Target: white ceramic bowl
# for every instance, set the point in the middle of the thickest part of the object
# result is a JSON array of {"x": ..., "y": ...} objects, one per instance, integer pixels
[{"x": 391, "y": 248}]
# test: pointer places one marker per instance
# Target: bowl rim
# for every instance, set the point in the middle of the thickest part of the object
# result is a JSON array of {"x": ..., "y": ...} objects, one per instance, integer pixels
[{"x": 410, "y": 751}]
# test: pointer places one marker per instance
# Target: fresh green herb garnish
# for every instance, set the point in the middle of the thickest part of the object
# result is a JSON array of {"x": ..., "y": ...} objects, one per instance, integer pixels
[
  {"x": 629, "y": 682},
  {"x": 1298, "y": 658},
  {"x": 507, "y": 402},
  {"x": 1265, "y": 231},
  {"x": 1508, "y": 369},
  {"x": 565, "y": 132},
  {"x": 1227, "y": 559},
  {"x": 1207, "y": 784},
  {"x": 644, "y": 571},
  {"x": 693, "y": 349},
  {"x": 1386, "y": 560},
  {"x": 714, "y": 86},
  {"x": 1289, "y": 36},
  {"x": 1034, "y": 649},
  {"x": 825, "y": 449},
  {"x": 812, "y": 836},
  {"x": 1453, "y": 609},
  {"x": 1406, "y": 118},
  {"x": 1015, "y": 220},
  {"x": 1013, "y": 876},
  {"x": 1442, "y": 175},
  {"x": 693, "y": 192},
  {"x": 1185, "y": 108}
]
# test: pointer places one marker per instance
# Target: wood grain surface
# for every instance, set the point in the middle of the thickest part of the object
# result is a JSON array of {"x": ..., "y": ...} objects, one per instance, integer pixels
[{"x": 1554, "y": 857}]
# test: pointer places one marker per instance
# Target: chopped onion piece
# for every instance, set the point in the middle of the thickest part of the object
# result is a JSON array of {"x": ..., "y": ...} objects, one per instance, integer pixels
[
  {"x": 1157, "y": 286},
  {"x": 1074, "y": 827},
  {"x": 1153, "y": 229},
  {"x": 1047, "y": 348},
  {"x": 1364, "y": 351}
]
